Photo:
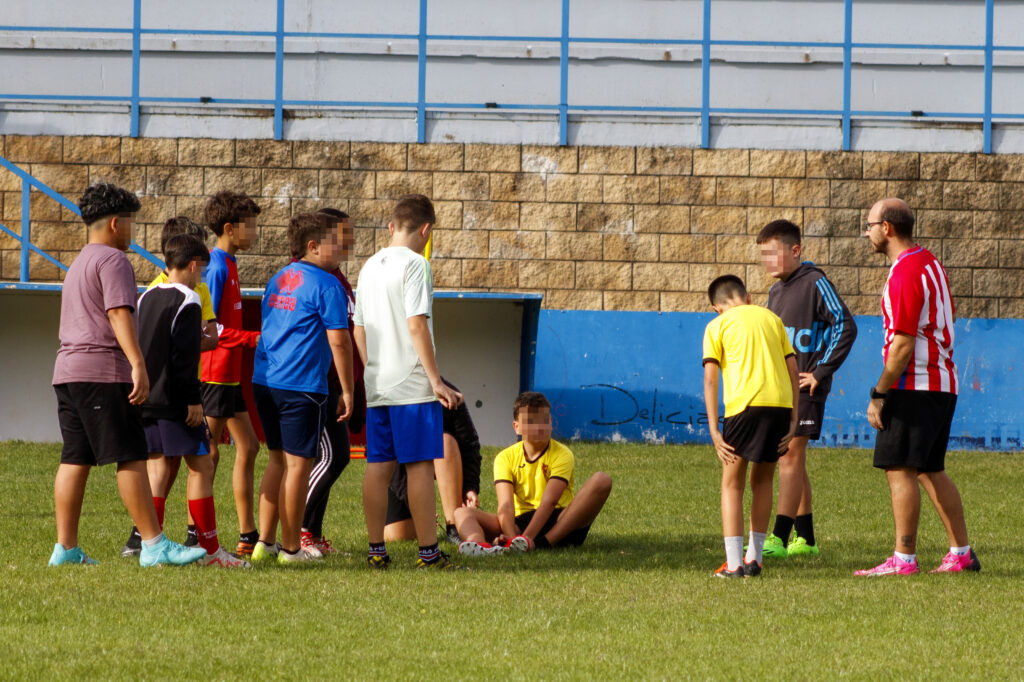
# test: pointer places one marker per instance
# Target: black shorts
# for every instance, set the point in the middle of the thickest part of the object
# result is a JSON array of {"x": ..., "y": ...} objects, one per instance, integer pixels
[
  {"x": 98, "y": 424},
  {"x": 810, "y": 414},
  {"x": 916, "y": 430},
  {"x": 575, "y": 537},
  {"x": 755, "y": 433},
  {"x": 222, "y": 400},
  {"x": 398, "y": 509},
  {"x": 292, "y": 420},
  {"x": 173, "y": 438}
]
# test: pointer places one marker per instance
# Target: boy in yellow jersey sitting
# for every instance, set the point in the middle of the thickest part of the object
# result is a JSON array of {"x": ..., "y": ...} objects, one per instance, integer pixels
[
  {"x": 750, "y": 346},
  {"x": 534, "y": 481}
]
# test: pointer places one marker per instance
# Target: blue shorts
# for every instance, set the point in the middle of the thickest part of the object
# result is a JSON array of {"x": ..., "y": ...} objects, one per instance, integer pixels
[
  {"x": 173, "y": 438},
  {"x": 407, "y": 433},
  {"x": 292, "y": 420}
]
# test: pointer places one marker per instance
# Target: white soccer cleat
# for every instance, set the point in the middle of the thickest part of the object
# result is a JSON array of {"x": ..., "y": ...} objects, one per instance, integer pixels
[
  {"x": 470, "y": 548},
  {"x": 225, "y": 560}
]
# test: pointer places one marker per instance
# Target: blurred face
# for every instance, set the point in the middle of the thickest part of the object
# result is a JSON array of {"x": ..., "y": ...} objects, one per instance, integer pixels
[
  {"x": 533, "y": 424},
  {"x": 780, "y": 259},
  {"x": 123, "y": 231},
  {"x": 338, "y": 243},
  {"x": 244, "y": 232},
  {"x": 875, "y": 230}
]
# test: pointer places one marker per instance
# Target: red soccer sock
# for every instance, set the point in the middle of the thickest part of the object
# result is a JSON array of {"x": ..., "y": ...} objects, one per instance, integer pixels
[
  {"x": 159, "y": 503},
  {"x": 206, "y": 523}
]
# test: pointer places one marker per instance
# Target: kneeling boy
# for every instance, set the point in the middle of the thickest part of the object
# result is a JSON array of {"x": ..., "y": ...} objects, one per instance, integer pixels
[
  {"x": 750, "y": 346},
  {"x": 534, "y": 481}
]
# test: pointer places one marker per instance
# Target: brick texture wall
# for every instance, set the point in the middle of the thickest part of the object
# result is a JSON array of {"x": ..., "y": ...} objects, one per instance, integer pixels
[{"x": 601, "y": 228}]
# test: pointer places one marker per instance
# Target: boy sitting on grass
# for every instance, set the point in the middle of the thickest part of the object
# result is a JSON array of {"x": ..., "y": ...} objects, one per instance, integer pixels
[
  {"x": 750, "y": 346},
  {"x": 534, "y": 481}
]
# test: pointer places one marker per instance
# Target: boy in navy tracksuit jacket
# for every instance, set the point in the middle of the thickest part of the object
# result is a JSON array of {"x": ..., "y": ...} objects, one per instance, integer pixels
[{"x": 821, "y": 331}]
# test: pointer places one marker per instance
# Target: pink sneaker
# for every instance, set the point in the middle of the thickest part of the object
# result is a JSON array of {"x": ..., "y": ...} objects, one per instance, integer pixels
[
  {"x": 891, "y": 566},
  {"x": 956, "y": 563}
]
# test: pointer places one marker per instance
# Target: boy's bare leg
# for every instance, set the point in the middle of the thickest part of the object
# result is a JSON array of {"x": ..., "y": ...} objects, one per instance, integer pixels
[
  {"x": 761, "y": 475},
  {"x": 399, "y": 530},
  {"x": 216, "y": 426},
  {"x": 946, "y": 498},
  {"x": 448, "y": 472},
  {"x": 292, "y": 499},
  {"x": 583, "y": 509},
  {"x": 68, "y": 494},
  {"x": 475, "y": 525},
  {"x": 733, "y": 482},
  {"x": 247, "y": 447},
  {"x": 793, "y": 478},
  {"x": 422, "y": 503},
  {"x": 270, "y": 490},
  {"x": 805, "y": 498},
  {"x": 375, "y": 498},
  {"x": 200, "y": 476},
  {"x": 162, "y": 473},
  {"x": 906, "y": 506},
  {"x": 133, "y": 484}
]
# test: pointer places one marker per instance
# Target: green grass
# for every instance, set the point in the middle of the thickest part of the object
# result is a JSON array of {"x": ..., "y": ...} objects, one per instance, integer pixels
[{"x": 637, "y": 601}]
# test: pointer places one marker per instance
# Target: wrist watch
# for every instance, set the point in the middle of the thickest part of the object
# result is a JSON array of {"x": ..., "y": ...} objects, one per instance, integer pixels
[{"x": 875, "y": 395}]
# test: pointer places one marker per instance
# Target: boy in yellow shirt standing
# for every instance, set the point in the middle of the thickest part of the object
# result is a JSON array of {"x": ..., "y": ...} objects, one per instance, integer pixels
[
  {"x": 750, "y": 346},
  {"x": 534, "y": 481}
]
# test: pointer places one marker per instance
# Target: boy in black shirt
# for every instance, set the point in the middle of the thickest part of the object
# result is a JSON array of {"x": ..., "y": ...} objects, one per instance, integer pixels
[{"x": 821, "y": 331}]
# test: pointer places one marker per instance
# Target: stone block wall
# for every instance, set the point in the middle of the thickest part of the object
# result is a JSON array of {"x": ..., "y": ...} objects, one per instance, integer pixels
[{"x": 600, "y": 228}]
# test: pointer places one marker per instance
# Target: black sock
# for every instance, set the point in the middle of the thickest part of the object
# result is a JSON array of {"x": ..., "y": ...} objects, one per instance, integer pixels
[
  {"x": 449, "y": 527},
  {"x": 541, "y": 542},
  {"x": 783, "y": 526},
  {"x": 805, "y": 527},
  {"x": 252, "y": 537},
  {"x": 135, "y": 533},
  {"x": 430, "y": 554},
  {"x": 192, "y": 529}
]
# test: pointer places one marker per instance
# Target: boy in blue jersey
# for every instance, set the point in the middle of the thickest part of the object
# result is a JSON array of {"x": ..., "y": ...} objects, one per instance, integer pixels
[
  {"x": 821, "y": 331},
  {"x": 305, "y": 327}
]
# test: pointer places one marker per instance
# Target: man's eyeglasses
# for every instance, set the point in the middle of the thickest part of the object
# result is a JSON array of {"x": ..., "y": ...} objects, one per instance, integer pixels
[{"x": 868, "y": 226}]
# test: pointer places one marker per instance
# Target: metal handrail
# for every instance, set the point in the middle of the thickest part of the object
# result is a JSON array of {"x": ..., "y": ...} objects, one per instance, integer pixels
[{"x": 562, "y": 107}]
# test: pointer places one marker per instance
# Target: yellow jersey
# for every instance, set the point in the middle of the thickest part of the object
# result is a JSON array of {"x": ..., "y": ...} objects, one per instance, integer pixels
[
  {"x": 750, "y": 345},
  {"x": 205, "y": 300},
  {"x": 529, "y": 479}
]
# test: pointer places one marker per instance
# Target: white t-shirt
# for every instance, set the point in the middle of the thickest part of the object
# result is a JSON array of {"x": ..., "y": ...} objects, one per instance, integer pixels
[{"x": 394, "y": 285}]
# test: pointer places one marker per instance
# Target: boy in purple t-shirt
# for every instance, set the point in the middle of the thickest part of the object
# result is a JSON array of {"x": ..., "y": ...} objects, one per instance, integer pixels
[{"x": 100, "y": 379}]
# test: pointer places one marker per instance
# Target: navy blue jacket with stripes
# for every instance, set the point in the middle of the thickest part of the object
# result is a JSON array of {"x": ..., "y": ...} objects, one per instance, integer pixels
[{"x": 818, "y": 323}]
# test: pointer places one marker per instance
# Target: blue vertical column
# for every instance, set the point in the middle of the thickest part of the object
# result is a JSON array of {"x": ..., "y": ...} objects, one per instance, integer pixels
[
  {"x": 136, "y": 63},
  {"x": 421, "y": 81},
  {"x": 987, "y": 124},
  {"x": 563, "y": 87},
  {"x": 847, "y": 71},
  {"x": 705, "y": 80},
  {"x": 279, "y": 73},
  {"x": 26, "y": 227}
]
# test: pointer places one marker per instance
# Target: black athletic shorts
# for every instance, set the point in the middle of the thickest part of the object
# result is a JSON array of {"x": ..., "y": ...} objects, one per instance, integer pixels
[
  {"x": 916, "y": 430},
  {"x": 575, "y": 537},
  {"x": 98, "y": 424},
  {"x": 398, "y": 509},
  {"x": 755, "y": 433},
  {"x": 810, "y": 414},
  {"x": 222, "y": 400}
]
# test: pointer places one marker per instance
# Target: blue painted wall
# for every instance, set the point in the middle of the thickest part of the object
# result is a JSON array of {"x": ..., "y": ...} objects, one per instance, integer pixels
[{"x": 638, "y": 376}]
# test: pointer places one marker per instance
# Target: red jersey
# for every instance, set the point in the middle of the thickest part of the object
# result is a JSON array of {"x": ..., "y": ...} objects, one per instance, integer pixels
[
  {"x": 223, "y": 364},
  {"x": 916, "y": 301}
]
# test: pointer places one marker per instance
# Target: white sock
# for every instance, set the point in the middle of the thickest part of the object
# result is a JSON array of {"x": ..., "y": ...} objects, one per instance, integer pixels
[
  {"x": 733, "y": 552},
  {"x": 909, "y": 558},
  {"x": 755, "y": 550},
  {"x": 961, "y": 551},
  {"x": 153, "y": 542}
]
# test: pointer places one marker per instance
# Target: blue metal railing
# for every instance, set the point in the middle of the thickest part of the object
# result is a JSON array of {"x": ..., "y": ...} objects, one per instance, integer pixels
[
  {"x": 28, "y": 183},
  {"x": 421, "y": 106}
]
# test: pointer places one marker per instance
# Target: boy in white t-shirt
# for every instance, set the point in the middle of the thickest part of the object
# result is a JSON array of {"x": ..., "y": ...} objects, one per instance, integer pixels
[{"x": 404, "y": 391}]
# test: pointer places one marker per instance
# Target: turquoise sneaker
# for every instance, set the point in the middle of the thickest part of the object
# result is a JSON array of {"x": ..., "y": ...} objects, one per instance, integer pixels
[
  {"x": 799, "y": 547},
  {"x": 75, "y": 555},
  {"x": 774, "y": 547},
  {"x": 169, "y": 553}
]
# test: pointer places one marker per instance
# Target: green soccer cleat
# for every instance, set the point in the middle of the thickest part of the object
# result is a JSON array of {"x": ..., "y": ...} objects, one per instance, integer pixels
[
  {"x": 799, "y": 547},
  {"x": 75, "y": 555},
  {"x": 262, "y": 553},
  {"x": 774, "y": 547}
]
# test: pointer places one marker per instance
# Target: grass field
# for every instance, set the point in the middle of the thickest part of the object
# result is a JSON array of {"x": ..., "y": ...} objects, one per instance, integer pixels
[{"x": 636, "y": 601}]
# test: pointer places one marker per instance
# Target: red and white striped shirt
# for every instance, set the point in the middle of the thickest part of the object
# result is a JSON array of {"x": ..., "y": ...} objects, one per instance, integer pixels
[{"x": 916, "y": 301}]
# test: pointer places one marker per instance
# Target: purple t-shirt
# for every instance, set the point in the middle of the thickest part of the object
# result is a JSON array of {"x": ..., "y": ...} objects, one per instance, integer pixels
[{"x": 100, "y": 279}]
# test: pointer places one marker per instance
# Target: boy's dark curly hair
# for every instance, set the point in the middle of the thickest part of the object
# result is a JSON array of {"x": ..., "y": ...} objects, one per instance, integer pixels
[
  {"x": 529, "y": 400},
  {"x": 228, "y": 207},
  {"x": 103, "y": 199}
]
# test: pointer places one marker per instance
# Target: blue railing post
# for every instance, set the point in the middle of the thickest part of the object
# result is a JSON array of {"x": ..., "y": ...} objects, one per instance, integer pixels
[
  {"x": 421, "y": 77},
  {"x": 847, "y": 71},
  {"x": 26, "y": 229},
  {"x": 705, "y": 79},
  {"x": 563, "y": 88},
  {"x": 987, "y": 123},
  {"x": 136, "y": 63},
  {"x": 279, "y": 73}
]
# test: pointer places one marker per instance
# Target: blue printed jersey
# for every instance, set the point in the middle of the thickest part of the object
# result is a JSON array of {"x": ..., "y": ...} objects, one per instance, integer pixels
[{"x": 301, "y": 302}]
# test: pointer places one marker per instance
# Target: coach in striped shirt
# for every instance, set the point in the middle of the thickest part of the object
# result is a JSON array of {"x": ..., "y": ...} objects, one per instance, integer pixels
[{"x": 913, "y": 401}]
